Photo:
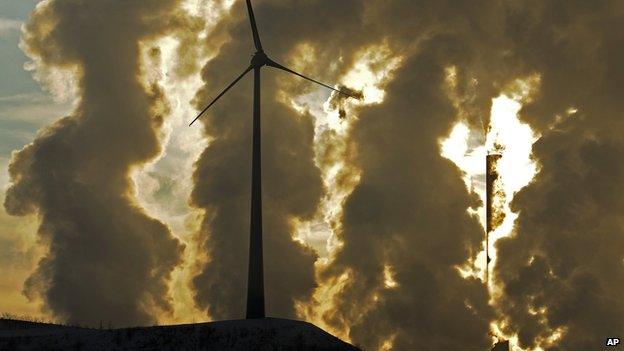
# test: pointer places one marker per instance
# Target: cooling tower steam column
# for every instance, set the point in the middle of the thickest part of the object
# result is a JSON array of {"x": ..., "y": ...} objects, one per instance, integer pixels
[
  {"x": 491, "y": 220},
  {"x": 501, "y": 346}
]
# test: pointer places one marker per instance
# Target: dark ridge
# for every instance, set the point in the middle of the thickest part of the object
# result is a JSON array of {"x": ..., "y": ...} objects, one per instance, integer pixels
[{"x": 249, "y": 334}]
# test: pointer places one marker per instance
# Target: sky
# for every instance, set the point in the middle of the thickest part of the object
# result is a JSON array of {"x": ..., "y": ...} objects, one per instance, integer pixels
[
  {"x": 24, "y": 108},
  {"x": 115, "y": 210}
]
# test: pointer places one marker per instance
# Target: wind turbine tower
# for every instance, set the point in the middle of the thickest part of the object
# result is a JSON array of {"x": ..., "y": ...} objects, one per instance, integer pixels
[{"x": 255, "y": 282}]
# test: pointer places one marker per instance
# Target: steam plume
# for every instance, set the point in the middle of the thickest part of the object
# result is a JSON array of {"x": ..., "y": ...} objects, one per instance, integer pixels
[
  {"x": 292, "y": 185},
  {"x": 406, "y": 228},
  {"x": 107, "y": 260},
  {"x": 562, "y": 270}
]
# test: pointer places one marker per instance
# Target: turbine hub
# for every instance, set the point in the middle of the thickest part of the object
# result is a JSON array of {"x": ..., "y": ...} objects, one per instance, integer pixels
[{"x": 259, "y": 59}]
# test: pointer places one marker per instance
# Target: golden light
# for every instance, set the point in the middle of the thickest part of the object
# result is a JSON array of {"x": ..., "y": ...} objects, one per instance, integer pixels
[
  {"x": 513, "y": 140},
  {"x": 339, "y": 175},
  {"x": 388, "y": 344},
  {"x": 330, "y": 141},
  {"x": 25, "y": 250},
  {"x": 181, "y": 147},
  {"x": 516, "y": 168},
  {"x": 389, "y": 281},
  {"x": 24, "y": 247}
]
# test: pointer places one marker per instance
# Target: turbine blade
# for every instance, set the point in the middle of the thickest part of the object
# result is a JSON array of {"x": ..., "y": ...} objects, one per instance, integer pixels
[
  {"x": 283, "y": 68},
  {"x": 254, "y": 27},
  {"x": 222, "y": 93}
]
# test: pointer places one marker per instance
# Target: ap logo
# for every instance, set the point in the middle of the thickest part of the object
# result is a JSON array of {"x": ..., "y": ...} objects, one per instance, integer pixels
[{"x": 612, "y": 342}]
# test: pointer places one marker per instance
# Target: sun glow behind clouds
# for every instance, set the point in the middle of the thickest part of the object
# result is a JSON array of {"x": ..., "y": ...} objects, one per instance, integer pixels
[
  {"x": 334, "y": 157},
  {"x": 511, "y": 138},
  {"x": 515, "y": 167},
  {"x": 164, "y": 185},
  {"x": 332, "y": 150},
  {"x": 508, "y": 136}
]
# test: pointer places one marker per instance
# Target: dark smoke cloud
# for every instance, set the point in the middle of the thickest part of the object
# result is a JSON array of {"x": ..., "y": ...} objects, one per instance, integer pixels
[
  {"x": 107, "y": 260},
  {"x": 291, "y": 182},
  {"x": 408, "y": 213},
  {"x": 564, "y": 262},
  {"x": 409, "y": 210}
]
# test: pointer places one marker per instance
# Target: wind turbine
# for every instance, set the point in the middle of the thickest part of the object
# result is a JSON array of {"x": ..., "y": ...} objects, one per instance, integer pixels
[{"x": 255, "y": 282}]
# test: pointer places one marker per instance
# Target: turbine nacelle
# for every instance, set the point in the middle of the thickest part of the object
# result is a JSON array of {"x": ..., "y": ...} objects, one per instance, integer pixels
[{"x": 259, "y": 59}]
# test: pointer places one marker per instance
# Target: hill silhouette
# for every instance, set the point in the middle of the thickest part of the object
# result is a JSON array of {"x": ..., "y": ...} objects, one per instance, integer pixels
[{"x": 248, "y": 334}]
